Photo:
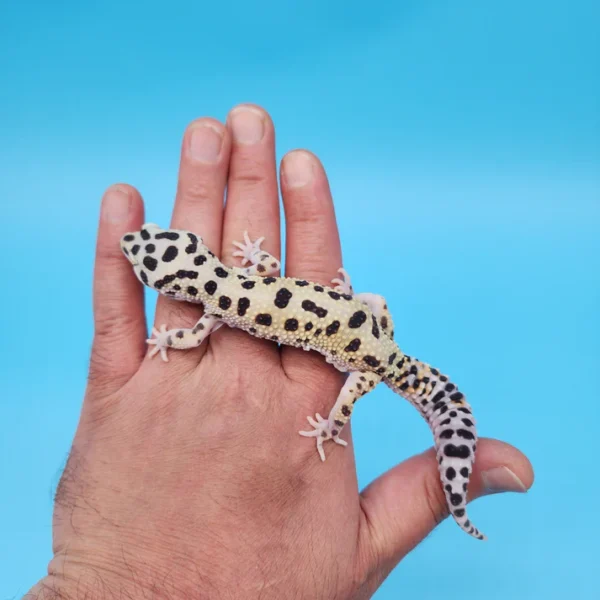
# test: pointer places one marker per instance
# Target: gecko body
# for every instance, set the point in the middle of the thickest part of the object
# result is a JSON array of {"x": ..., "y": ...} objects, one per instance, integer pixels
[{"x": 353, "y": 331}]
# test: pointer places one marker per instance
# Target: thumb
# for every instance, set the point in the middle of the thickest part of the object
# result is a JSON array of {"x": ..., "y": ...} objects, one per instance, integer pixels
[{"x": 403, "y": 505}]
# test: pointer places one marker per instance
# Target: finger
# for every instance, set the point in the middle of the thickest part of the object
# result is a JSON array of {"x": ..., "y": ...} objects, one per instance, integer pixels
[
  {"x": 198, "y": 208},
  {"x": 119, "y": 321},
  {"x": 313, "y": 249},
  {"x": 406, "y": 503},
  {"x": 252, "y": 197}
]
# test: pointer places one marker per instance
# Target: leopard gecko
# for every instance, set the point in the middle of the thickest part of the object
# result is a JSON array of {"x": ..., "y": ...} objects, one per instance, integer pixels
[{"x": 353, "y": 331}]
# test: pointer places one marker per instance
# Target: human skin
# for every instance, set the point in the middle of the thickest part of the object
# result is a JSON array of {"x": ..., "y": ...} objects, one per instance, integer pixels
[{"x": 188, "y": 479}]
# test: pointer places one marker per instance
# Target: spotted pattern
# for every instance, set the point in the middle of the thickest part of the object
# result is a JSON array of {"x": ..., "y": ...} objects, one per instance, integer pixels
[{"x": 349, "y": 330}]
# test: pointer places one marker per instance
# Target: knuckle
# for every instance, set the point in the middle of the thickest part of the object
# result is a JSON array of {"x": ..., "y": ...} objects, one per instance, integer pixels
[
  {"x": 197, "y": 190},
  {"x": 114, "y": 325},
  {"x": 249, "y": 171}
]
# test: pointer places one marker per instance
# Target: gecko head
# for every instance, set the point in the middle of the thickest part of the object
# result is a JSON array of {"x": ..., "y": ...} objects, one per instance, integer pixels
[{"x": 157, "y": 253}]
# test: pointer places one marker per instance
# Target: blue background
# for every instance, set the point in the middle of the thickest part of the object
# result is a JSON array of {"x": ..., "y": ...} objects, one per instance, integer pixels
[{"x": 462, "y": 139}]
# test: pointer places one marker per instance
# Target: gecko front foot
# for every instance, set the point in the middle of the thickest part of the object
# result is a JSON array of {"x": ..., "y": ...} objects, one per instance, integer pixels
[
  {"x": 249, "y": 249},
  {"x": 343, "y": 285},
  {"x": 160, "y": 342},
  {"x": 323, "y": 432}
]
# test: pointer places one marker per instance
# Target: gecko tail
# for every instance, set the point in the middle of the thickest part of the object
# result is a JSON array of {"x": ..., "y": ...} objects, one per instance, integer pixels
[{"x": 450, "y": 418}]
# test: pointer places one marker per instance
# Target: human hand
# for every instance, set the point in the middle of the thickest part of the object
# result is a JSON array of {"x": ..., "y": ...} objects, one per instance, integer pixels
[{"x": 188, "y": 479}]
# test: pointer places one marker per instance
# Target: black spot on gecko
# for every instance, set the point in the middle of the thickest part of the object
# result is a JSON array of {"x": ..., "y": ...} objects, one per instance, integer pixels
[
  {"x": 453, "y": 451},
  {"x": 210, "y": 287},
  {"x": 347, "y": 296},
  {"x": 282, "y": 298},
  {"x": 464, "y": 472},
  {"x": 318, "y": 288},
  {"x": 128, "y": 238},
  {"x": 308, "y": 326},
  {"x": 150, "y": 248},
  {"x": 449, "y": 387},
  {"x": 459, "y": 512},
  {"x": 145, "y": 235},
  {"x": 450, "y": 473},
  {"x": 333, "y": 328},
  {"x": 221, "y": 272},
  {"x": 242, "y": 306},
  {"x": 455, "y": 499},
  {"x": 252, "y": 330},
  {"x": 310, "y": 306},
  {"x": 264, "y": 319},
  {"x": 371, "y": 361},
  {"x": 291, "y": 325},
  {"x": 375, "y": 329},
  {"x": 224, "y": 302},
  {"x": 135, "y": 249},
  {"x": 193, "y": 246},
  {"x": 447, "y": 434},
  {"x": 150, "y": 263},
  {"x": 144, "y": 277},
  {"x": 260, "y": 268},
  {"x": 167, "y": 235},
  {"x": 179, "y": 334},
  {"x": 357, "y": 319},
  {"x": 345, "y": 411},
  {"x": 468, "y": 422},
  {"x": 438, "y": 397},
  {"x": 192, "y": 291},
  {"x": 301, "y": 283},
  {"x": 339, "y": 423},
  {"x": 456, "y": 396},
  {"x": 391, "y": 358},
  {"x": 183, "y": 274},
  {"x": 176, "y": 287},
  {"x": 465, "y": 434},
  {"x": 384, "y": 322},
  {"x": 170, "y": 254},
  {"x": 199, "y": 260},
  {"x": 353, "y": 346},
  {"x": 248, "y": 285},
  {"x": 269, "y": 280},
  {"x": 334, "y": 295}
]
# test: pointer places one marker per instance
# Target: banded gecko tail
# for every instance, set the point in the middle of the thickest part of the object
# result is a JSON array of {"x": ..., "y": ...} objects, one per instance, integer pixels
[{"x": 453, "y": 426}]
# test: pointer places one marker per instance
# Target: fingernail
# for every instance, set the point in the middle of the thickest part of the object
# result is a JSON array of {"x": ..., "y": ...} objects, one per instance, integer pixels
[
  {"x": 247, "y": 124},
  {"x": 205, "y": 143},
  {"x": 298, "y": 169},
  {"x": 115, "y": 205},
  {"x": 501, "y": 479}
]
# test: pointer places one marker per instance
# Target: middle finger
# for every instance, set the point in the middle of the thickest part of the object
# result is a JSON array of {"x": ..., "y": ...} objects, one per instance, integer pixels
[{"x": 252, "y": 195}]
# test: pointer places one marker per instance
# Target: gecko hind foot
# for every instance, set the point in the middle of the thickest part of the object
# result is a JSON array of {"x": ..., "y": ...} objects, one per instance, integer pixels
[
  {"x": 323, "y": 432},
  {"x": 160, "y": 341}
]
